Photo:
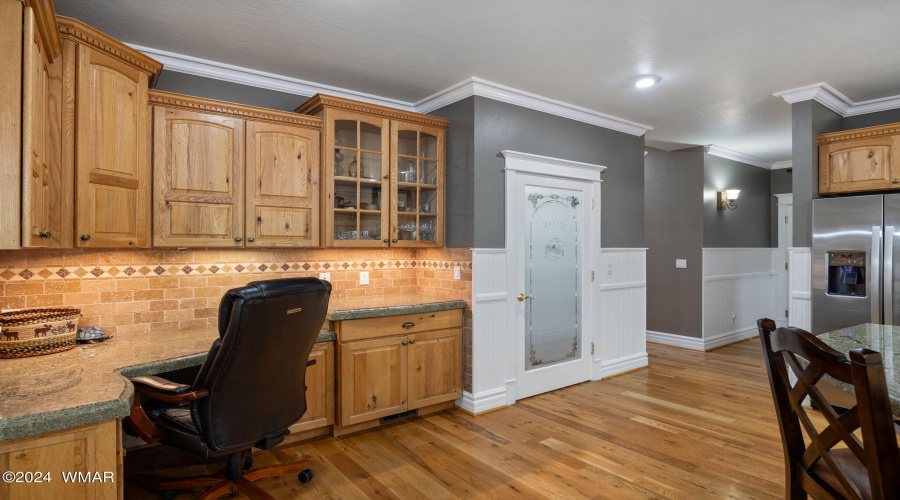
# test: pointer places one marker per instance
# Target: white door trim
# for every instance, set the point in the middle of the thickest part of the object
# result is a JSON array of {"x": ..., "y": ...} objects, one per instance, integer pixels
[{"x": 517, "y": 164}]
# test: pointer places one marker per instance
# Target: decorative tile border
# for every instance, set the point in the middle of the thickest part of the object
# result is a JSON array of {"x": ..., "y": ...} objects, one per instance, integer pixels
[{"x": 217, "y": 269}]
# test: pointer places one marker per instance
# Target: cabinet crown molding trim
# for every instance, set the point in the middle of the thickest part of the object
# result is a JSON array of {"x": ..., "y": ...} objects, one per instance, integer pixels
[
  {"x": 77, "y": 31},
  {"x": 889, "y": 129},
  {"x": 45, "y": 17},
  {"x": 831, "y": 98},
  {"x": 484, "y": 88},
  {"x": 730, "y": 154},
  {"x": 172, "y": 100},
  {"x": 319, "y": 102}
]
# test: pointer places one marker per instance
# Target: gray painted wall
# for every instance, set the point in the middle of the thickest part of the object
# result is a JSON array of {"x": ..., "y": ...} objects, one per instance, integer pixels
[
  {"x": 673, "y": 229},
  {"x": 183, "y": 83},
  {"x": 809, "y": 119},
  {"x": 872, "y": 119},
  {"x": 780, "y": 182},
  {"x": 748, "y": 225},
  {"x": 500, "y": 126},
  {"x": 460, "y": 172}
]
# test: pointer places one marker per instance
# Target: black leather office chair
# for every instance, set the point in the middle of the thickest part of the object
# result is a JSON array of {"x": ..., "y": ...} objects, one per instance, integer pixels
[{"x": 249, "y": 390}]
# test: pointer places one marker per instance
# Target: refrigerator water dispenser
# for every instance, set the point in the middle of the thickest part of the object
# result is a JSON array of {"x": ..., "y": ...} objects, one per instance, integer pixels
[{"x": 846, "y": 273}]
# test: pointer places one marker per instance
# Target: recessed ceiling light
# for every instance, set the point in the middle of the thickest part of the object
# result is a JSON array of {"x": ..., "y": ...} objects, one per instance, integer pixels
[{"x": 645, "y": 81}]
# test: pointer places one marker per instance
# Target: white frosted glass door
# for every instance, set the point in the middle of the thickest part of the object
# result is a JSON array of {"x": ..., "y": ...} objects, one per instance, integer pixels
[{"x": 552, "y": 277}]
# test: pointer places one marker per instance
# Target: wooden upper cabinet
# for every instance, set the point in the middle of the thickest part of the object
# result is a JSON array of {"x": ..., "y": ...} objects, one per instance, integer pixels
[
  {"x": 865, "y": 159},
  {"x": 282, "y": 185},
  {"x": 381, "y": 185},
  {"x": 229, "y": 175},
  {"x": 31, "y": 178},
  {"x": 110, "y": 123},
  {"x": 41, "y": 114},
  {"x": 197, "y": 177}
]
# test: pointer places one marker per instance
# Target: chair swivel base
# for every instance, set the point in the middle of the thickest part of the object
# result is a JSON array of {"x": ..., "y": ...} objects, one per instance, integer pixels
[{"x": 231, "y": 481}]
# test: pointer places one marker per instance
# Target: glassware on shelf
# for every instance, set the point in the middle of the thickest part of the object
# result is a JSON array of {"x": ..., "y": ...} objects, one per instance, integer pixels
[{"x": 352, "y": 170}]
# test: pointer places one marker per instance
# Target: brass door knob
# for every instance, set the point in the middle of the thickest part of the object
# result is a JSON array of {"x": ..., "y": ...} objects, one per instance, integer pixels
[{"x": 522, "y": 297}]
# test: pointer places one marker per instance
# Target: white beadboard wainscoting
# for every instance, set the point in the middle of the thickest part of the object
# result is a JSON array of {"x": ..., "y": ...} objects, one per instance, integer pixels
[
  {"x": 800, "y": 286},
  {"x": 738, "y": 289},
  {"x": 622, "y": 341},
  {"x": 619, "y": 341}
]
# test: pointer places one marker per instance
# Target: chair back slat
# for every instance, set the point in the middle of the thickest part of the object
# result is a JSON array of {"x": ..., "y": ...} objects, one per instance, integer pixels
[{"x": 829, "y": 465}]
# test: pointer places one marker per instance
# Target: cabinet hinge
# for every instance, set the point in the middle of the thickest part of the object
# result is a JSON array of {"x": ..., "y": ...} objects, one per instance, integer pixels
[
  {"x": 592, "y": 348},
  {"x": 785, "y": 313}
]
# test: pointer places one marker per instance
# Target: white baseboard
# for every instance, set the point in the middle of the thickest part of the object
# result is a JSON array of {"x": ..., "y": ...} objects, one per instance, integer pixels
[
  {"x": 623, "y": 364},
  {"x": 730, "y": 338},
  {"x": 698, "y": 344},
  {"x": 675, "y": 340},
  {"x": 483, "y": 401}
]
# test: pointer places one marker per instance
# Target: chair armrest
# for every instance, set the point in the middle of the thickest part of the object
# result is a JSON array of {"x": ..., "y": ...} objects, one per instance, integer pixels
[
  {"x": 310, "y": 362},
  {"x": 166, "y": 391}
]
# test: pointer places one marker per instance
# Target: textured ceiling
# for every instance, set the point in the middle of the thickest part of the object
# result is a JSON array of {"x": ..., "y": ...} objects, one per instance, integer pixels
[{"x": 720, "y": 60}]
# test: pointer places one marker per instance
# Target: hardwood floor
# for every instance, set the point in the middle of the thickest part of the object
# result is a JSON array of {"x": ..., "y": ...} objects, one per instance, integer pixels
[{"x": 693, "y": 425}]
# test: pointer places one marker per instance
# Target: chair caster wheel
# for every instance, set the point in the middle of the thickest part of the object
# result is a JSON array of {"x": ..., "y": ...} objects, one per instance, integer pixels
[
  {"x": 170, "y": 494},
  {"x": 305, "y": 476},
  {"x": 248, "y": 463}
]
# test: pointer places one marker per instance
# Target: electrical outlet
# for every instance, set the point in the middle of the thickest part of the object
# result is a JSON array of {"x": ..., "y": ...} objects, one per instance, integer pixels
[
  {"x": 457, "y": 272},
  {"x": 680, "y": 263},
  {"x": 325, "y": 276},
  {"x": 364, "y": 277},
  {"x": 609, "y": 269}
]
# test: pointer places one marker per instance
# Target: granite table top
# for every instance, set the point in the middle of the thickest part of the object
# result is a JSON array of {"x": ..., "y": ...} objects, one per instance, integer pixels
[
  {"x": 89, "y": 383},
  {"x": 882, "y": 338}
]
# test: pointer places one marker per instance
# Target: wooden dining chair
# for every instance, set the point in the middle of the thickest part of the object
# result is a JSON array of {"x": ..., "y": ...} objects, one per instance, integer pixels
[{"x": 867, "y": 468}]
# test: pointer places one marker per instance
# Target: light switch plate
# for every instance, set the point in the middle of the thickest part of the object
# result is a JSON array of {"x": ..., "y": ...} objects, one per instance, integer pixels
[
  {"x": 457, "y": 272},
  {"x": 364, "y": 277},
  {"x": 325, "y": 276},
  {"x": 680, "y": 263}
]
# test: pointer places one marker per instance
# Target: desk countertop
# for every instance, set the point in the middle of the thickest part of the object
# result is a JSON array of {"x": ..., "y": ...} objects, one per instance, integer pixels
[
  {"x": 881, "y": 338},
  {"x": 89, "y": 383}
]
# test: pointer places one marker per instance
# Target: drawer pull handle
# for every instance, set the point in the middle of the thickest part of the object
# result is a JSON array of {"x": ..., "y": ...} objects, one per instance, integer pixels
[{"x": 408, "y": 324}]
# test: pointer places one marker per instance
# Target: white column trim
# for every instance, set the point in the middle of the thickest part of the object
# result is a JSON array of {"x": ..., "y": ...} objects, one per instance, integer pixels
[{"x": 785, "y": 198}]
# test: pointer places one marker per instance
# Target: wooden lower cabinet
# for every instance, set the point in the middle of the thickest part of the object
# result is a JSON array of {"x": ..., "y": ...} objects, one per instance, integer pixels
[
  {"x": 87, "y": 449},
  {"x": 384, "y": 376},
  {"x": 319, "y": 390}
]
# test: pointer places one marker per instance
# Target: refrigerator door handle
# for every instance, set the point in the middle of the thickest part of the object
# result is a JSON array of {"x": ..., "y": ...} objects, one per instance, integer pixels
[
  {"x": 888, "y": 275},
  {"x": 875, "y": 272}
]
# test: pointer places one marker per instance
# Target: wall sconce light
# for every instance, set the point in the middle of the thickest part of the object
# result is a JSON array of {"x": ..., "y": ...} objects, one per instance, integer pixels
[{"x": 728, "y": 199}]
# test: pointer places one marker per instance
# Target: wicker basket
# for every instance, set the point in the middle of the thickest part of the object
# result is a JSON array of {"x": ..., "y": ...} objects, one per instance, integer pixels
[{"x": 34, "y": 332}]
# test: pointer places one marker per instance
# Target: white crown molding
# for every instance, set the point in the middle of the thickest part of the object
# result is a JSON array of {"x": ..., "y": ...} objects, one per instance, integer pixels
[
  {"x": 782, "y": 164},
  {"x": 245, "y": 76},
  {"x": 480, "y": 87},
  {"x": 828, "y": 96},
  {"x": 466, "y": 88},
  {"x": 731, "y": 154}
]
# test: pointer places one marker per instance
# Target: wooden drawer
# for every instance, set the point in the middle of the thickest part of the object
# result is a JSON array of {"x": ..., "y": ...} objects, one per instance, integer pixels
[{"x": 360, "y": 329}]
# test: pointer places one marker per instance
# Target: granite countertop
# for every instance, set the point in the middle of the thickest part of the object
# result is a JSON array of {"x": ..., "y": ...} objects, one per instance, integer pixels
[
  {"x": 89, "y": 383},
  {"x": 340, "y": 309},
  {"x": 881, "y": 338}
]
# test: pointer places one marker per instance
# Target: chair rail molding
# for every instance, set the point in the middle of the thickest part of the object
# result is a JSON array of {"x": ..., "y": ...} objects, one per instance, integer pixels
[{"x": 828, "y": 96}]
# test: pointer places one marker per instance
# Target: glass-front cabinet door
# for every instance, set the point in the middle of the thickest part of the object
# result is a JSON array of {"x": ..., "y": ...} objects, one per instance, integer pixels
[
  {"x": 417, "y": 171},
  {"x": 357, "y": 174}
]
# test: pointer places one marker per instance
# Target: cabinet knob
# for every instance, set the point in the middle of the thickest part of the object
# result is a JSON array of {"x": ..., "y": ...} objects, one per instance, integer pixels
[
  {"x": 896, "y": 181},
  {"x": 412, "y": 341},
  {"x": 43, "y": 234},
  {"x": 85, "y": 237},
  {"x": 238, "y": 239},
  {"x": 394, "y": 240},
  {"x": 403, "y": 343},
  {"x": 251, "y": 239},
  {"x": 385, "y": 240}
]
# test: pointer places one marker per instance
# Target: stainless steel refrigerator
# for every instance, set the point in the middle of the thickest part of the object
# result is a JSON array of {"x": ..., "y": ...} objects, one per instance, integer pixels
[{"x": 854, "y": 274}]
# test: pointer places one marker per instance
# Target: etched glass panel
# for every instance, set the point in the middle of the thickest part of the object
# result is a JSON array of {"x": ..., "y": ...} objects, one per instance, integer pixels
[{"x": 552, "y": 277}]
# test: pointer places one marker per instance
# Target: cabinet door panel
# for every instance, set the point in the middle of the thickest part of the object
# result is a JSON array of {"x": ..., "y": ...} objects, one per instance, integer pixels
[
  {"x": 372, "y": 379},
  {"x": 867, "y": 164},
  {"x": 319, "y": 389},
  {"x": 417, "y": 185},
  {"x": 197, "y": 165},
  {"x": 435, "y": 367},
  {"x": 41, "y": 89},
  {"x": 282, "y": 185},
  {"x": 112, "y": 159}
]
